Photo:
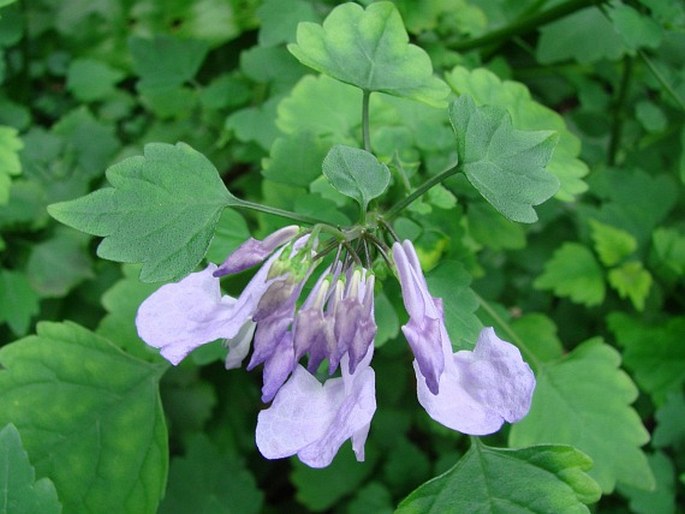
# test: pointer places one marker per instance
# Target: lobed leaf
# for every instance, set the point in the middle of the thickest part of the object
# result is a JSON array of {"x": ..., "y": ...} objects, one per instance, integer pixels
[
  {"x": 20, "y": 492},
  {"x": 584, "y": 400},
  {"x": 369, "y": 48},
  {"x": 161, "y": 211},
  {"x": 507, "y": 166}
]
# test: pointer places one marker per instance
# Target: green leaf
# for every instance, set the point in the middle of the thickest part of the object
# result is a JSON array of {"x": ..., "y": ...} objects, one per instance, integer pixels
[
  {"x": 540, "y": 335},
  {"x": 585, "y": 35},
  {"x": 668, "y": 247},
  {"x": 584, "y": 400},
  {"x": 636, "y": 30},
  {"x": 58, "y": 264},
  {"x": 486, "y": 88},
  {"x": 539, "y": 479},
  {"x": 631, "y": 280},
  {"x": 654, "y": 353},
  {"x": 611, "y": 244},
  {"x": 320, "y": 489},
  {"x": 356, "y": 173},
  {"x": 507, "y": 166},
  {"x": 296, "y": 159},
  {"x": 231, "y": 231},
  {"x": 492, "y": 230},
  {"x": 10, "y": 145},
  {"x": 166, "y": 61},
  {"x": 670, "y": 429},
  {"x": 369, "y": 48},
  {"x": 279, "y": 20},
  {"x": 90, "y": 417},
  {"x": 573, "y": 272},
  {"x": 18, "y": 301},
  {"x": 662, "y": 499},
  {"x": 450, "y": 281},
  {"x": 205, "y": 480},
  {"x": 161, "y": 211},
  {"x": 90, "y": 80},
  {"x": 21, "y": 493}
]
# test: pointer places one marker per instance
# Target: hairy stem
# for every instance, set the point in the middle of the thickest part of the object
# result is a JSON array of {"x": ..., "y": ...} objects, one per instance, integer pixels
[
  {"x": 365, "y": 120},
  {"x": 275, "y": 211},
  {"x": 423, "y": 188}
]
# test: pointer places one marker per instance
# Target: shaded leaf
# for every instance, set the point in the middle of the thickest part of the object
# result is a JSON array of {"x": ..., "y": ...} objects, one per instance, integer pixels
[
  {"x": 18, "y": 301},
  {"x": 573, "y": 272},
  {"x": 165, "y": 61},
  {"x": 90, "y": 79},
  {"x": 662, "y": 499},
  {"x": 611, "y": 244},
  {"x": 10, "y": 145},
  {"x": 633, "y": 281}
]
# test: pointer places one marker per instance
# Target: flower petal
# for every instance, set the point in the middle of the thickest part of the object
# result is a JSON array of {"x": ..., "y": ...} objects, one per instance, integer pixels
[
  {"x": 425, "y": 329},
  {"x": 480, "y": 389},
  {"x": 254, "y": 251},
  {"x": 179, "y": 317},
  {"x": 313, "y": 420}
]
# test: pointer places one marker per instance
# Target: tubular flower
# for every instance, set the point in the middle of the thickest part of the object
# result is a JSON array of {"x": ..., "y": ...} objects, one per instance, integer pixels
[
  {"x": 334, "y": 326},
  {"x": 473, "y": 392}
]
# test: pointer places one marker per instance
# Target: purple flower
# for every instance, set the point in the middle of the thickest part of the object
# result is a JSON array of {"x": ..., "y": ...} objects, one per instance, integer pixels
[{"x": 473, "y": 392}]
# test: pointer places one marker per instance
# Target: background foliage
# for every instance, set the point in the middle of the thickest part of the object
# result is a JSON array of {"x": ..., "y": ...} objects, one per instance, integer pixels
[{"x": 591, "y": 288}]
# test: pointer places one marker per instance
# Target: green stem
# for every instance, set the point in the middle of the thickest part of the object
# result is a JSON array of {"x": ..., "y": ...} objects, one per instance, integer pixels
[
  {"x": 662, "y": 80},
  {"x": 522, "y": 26},
  {"x": 528, "y": 355},
  {"x": 433, "y": 181},
  {"x": 617, "y": 117},
  {"x": 275, "y": 211},
  {"x": 365, "y": 120}
]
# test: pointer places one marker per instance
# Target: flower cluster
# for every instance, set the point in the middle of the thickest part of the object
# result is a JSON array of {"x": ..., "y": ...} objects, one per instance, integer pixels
[{"x": 334, "y": 327}]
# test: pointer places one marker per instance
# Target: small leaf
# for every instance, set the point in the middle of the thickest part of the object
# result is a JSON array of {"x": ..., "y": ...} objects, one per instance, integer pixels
[
  {"x": 369, "y": 48},
  {"x": 660, "y": 500},
  {"x": 507, "y": 166},
  {"x": 492, "y": 230},
  {"x": 611, "y": 244},
  {"x": 166, "y": 60},
  {"x": 584, "y": 400},
  {"x": 20, "y": 492},
  {"x": 90, "y": 79},
  {"x": 534, "y": 480},
  {"x": 356, "y": 173},
  {"x": 279, "y": 20},
  {"x": 670, "y": 429},
  {"x": 93, "y": 420},
  {"x": 161, "y": 211},
  {"x": 573, "y": 272},
  {"x": 636, "y": 30},
  {"x": 296, "y": 159},
  {"x": 632, "y": 280},
  {"x": 204, "y": 480}
]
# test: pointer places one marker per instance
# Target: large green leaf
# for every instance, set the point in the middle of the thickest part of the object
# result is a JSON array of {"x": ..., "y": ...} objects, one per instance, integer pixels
[
  {"x": 161, "y": 211},
  {"x": 584, "y": 400},
  {"x": 20, "y": 492},
  {"x": 575, "y": 273},
  {"x": 655, "y": 353},
  {"x": 356, "y": 173},
  {"x": 507, "y": 166},
  {"x": 90, "y": 418},
  {"x": 540, "y": 479},
  {"x": 486, "y": 88},
  {"x": 369, "y": 48},
  {"x": 18, "y": 301}
]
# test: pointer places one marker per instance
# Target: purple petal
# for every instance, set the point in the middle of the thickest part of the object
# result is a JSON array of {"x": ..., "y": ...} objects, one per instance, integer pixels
[
  {"x": 425, "y": 329},
  {"x": 254, "y": 251},
  {"x": 179, "y": 317},
  {"x": 313, "y": 420},
  {"x": 479, "y": 390},
  {"x": 239, "y": 346},
  {"x": 278, "y": 367}
]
